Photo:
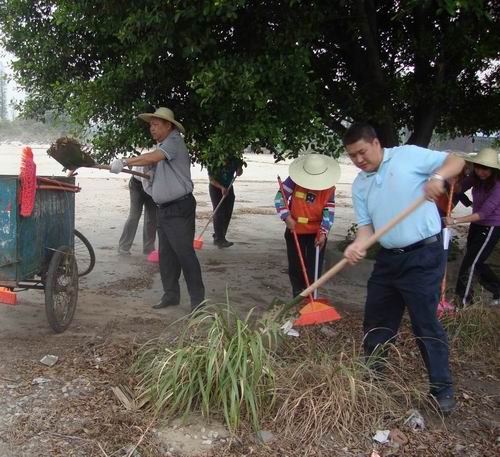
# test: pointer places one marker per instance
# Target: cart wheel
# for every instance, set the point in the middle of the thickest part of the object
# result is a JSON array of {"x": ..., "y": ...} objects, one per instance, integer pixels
[
  {"x": 61, "y": 289},
  {"x": 84, "y": 253}
]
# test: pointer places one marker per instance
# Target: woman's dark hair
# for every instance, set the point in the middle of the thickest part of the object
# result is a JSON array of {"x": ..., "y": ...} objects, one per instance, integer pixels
[{"x": 489, "y": 183}]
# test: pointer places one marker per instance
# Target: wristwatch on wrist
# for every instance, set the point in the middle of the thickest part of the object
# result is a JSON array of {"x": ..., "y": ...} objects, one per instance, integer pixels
[
  {"x": 454, "y": 221},
  {"x": 437, "y": 177},
  {"x": 125, "y": 163}
]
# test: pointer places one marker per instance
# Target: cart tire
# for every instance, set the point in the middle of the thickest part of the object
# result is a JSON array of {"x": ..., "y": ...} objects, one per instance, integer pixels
[
  {"x": 61, "y": 289},
  {"x": 84, "y": 253}
]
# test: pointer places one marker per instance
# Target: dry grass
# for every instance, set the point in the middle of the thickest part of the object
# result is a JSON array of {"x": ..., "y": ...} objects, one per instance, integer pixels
[
  {"x": 327, "y": 390},
  {"x": 474, "y": 334}
]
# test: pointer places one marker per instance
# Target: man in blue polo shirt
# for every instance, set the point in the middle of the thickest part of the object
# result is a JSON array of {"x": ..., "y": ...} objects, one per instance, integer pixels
[{"x": 409, "y": 267}]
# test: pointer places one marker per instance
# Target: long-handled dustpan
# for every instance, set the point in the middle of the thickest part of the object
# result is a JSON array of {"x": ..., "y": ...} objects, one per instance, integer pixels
[
  {"x": 71, "y": 155},
  {"x": 341, "y": 264},
  {"x": 198, "y": 241},
  {"x": 444, "y": 306},
  {"x": 315, "y": 311}
]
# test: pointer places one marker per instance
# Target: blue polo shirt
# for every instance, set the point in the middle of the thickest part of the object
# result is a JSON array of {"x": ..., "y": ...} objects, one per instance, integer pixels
[{"x": 380, "y": 196}]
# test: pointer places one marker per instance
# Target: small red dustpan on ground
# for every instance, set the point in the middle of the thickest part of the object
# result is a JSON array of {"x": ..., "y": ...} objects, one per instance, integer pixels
[
  {"x": 316, "y": 311},
  {"x": 198, "y": 242},
  {"x": 444, "y": 306},
  {"x": 154, "y": 256},
  {"x": 7, "y": 296}
]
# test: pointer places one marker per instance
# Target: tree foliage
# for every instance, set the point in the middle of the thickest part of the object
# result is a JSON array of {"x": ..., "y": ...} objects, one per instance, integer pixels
[
  {"x": 3, "y": 95},
  {"x": 273, "y": 74}
]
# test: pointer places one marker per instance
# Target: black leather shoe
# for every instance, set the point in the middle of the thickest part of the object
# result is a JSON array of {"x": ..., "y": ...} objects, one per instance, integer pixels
[
  {"x": 223, "y": 244},
  {"x": 198, "y": 307},
  {"x": 446, "y": 404},
  {"x": 164, "y": 304}
]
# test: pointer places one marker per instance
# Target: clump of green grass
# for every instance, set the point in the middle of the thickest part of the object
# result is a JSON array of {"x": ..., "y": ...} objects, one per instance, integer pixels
[{"x": 220, "y": 364}]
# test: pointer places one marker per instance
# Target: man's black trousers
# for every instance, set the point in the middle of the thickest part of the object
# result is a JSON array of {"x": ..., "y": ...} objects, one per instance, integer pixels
[
  {"x": 412, "y": 280},
  {"x": 223, "y": 215},
  {"x": 308, "y": 250},
  {"x": 176, "y": 235}
]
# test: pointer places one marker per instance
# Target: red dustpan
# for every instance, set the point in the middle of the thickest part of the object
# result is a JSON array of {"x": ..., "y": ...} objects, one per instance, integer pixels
[
  {"x": 316, "y": 311},
  {"x": 444, "y": 306},
  {"x": 154, "y": 256}
]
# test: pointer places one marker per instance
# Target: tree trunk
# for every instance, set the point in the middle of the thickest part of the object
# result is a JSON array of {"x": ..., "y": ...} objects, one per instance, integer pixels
[{"x": 425, "y": 121}]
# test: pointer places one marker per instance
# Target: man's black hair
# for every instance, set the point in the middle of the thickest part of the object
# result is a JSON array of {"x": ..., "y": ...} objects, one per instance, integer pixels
[{"x": 359, "y": 131}]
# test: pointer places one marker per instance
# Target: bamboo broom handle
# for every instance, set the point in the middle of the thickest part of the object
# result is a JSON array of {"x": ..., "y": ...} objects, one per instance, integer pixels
[
  {"x": 448, "y": 214},
  {"x": 369, "y": 242},
  {"x": 131, "y": 172},
  {"x": 61, "y": 188}
]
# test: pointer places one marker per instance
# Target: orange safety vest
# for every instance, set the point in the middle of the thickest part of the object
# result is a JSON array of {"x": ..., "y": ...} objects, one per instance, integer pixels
[{"x": 306, "y": 207}]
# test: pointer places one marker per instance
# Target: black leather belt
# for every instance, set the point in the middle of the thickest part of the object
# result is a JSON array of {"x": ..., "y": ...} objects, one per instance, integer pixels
[
  {"x": 165, "y": 205},
  {"x": 417, "y": 245}
]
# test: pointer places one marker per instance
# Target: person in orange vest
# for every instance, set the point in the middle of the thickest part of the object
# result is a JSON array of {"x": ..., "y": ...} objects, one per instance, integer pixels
[{"x": 310, "y": 193}]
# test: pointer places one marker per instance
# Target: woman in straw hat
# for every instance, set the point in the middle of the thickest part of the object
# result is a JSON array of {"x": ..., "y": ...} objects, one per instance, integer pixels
[
  {"x": 484, "y": 230},
  {"x": 310, "y": 194}
]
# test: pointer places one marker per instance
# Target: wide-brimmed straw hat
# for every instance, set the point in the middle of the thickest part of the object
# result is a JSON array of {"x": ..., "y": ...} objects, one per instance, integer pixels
[
  {"x": 315, "y": 171},
  {"x": 162, "y": 113},
  {"x": 487, "y": 157}
]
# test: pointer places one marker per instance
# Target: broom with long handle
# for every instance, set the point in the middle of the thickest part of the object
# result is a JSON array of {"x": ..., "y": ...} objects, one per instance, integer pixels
[
  {"x": 296, "y": 240},
  {"x": 341, "y": 264},
  {"x": 444, "y": 305},
  {"x": 198, "y": 241}
]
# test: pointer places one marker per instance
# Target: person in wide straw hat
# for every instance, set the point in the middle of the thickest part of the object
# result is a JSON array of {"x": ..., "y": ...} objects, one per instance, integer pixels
[
  {"x": 172, "y": 191},
  {"x": 163, "y": 113},
  {"x": 310, "y": 194},
  {"x": 484, "y": 229}
]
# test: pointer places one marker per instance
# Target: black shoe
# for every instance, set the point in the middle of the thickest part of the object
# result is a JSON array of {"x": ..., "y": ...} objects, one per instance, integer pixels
[
  {"x": 223, "y": 244},
  {"x": 446, "y": 404},
  {"x": 164, "y": 304},
  {"x": 197, "y": 307}
]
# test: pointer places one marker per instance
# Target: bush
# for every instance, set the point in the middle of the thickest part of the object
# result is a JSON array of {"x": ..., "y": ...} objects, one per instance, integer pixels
[{"x": 219, "y": 364}]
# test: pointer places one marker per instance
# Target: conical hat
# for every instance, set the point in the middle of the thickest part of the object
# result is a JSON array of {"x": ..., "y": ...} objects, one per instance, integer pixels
[
  {"x": 315, "y": 171},
  {"x": 165, "y": 114},
  {"x": 487, "y": 157}
]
